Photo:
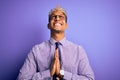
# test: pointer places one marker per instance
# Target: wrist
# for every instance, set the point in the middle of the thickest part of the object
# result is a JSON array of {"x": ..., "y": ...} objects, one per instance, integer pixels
[{"x": 61, "y": 74}]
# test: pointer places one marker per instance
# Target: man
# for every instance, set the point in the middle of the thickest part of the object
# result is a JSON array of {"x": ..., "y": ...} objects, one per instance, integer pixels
[{"x": 58, "y": 58}]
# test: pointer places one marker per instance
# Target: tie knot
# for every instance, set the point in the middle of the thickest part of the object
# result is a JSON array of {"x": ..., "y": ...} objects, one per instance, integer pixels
[{"x": 57, "y": 45}]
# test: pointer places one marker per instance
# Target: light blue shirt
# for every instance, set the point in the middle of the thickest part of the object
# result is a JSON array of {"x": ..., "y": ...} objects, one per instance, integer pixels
[{"x": 74, "y": 62}]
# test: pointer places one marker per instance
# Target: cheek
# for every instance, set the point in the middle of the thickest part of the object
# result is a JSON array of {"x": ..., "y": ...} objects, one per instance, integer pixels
[
  {"x": 51, "y": 23},
  {"x": 64, "y": 22}
]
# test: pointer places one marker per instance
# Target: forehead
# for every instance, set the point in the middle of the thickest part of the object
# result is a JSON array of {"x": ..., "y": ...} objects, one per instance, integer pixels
[{"x": 58, "y": 13}]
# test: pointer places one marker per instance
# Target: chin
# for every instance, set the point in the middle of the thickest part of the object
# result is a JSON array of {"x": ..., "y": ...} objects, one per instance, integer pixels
[{"x": 56, "y": 30}]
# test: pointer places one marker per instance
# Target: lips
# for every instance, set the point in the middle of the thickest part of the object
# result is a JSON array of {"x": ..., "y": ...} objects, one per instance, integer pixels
[{"x": 58, "y": 24}]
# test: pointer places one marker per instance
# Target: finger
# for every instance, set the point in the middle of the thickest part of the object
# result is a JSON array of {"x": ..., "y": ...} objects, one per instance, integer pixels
[
  {"x": 58, "y": 69},
  {"x": 57, "y": 66},
  {"x": 53, "y": 68},
  {"x": 56, "y": 54}
]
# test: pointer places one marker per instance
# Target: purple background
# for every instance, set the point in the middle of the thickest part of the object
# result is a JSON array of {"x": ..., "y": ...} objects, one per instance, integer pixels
[{"x": 94, "y": 24}]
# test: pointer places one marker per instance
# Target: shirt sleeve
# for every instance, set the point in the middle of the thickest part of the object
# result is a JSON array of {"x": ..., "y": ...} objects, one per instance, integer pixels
[
  {"x": 84, "y": 70},
  {"x": 29, "y": 70}
]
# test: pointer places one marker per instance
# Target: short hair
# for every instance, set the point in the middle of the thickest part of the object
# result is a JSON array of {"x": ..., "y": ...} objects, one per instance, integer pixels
[{"x": 57, "y": 8}]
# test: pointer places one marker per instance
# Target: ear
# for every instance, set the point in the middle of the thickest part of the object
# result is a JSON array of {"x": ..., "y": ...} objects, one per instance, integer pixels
[
  {"x": 66, "y": 25},
  {"x": 48, "y": 25}
]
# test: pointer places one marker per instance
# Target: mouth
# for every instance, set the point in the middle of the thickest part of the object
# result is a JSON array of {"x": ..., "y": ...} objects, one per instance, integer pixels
[{"x": 57, "y": 24}]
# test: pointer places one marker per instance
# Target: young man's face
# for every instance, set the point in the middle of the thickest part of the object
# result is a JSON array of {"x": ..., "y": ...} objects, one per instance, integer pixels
[{"x": 58, "y": 22}]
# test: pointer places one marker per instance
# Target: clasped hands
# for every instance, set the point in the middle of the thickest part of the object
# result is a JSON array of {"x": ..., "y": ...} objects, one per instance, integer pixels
[{"x": 55, "y": 65}]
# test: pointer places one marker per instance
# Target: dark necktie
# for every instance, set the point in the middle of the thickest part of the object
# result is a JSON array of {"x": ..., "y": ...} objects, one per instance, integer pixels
[{"x": 57, "y": 45}]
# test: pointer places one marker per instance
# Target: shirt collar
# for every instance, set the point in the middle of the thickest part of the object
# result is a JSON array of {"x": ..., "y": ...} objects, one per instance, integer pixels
[{"x": 62, "y": 42}]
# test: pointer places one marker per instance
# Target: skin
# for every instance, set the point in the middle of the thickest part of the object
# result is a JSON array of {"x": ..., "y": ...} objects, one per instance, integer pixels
[{"x": 57, "y": 26}]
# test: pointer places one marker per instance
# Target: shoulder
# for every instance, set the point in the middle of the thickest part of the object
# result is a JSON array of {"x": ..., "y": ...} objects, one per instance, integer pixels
[
  {"x": 79, "y": 48},
  {"x": 72, "y": 44}
]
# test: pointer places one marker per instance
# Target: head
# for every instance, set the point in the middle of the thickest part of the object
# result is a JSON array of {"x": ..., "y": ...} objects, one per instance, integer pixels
[{"x": 57, "y": 19}]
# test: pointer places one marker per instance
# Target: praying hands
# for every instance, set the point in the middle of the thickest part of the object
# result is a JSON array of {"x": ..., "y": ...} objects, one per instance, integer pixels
[{"x": 55, "y": 65}]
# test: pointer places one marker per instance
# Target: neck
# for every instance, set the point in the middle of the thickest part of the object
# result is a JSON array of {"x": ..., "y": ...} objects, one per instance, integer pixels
[{"x": 58, "y": 36}]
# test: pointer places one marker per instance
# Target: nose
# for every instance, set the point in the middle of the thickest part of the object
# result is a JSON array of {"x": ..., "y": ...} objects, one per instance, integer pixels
[{"x": 57, "y": 17}]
